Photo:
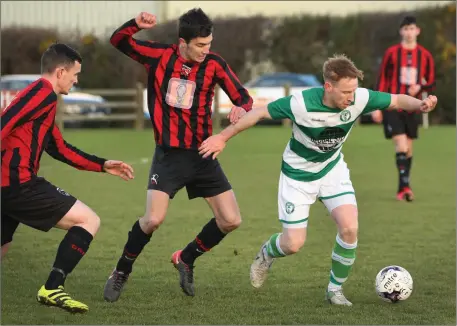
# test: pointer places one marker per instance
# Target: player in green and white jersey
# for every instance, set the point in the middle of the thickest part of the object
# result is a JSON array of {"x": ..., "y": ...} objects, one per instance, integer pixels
[{"x": 313, "y": 165}]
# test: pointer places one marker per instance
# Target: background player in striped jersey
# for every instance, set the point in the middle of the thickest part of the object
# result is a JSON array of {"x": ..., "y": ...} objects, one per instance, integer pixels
[
  {"x": 313, "y": 165},
  {"x": 407, "y": 68},
  {"x": 181, "y": 82},
  {"x": 28, "y": 129}
]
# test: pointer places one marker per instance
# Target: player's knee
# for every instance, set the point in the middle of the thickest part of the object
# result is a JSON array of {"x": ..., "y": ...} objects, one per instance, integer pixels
[
  {"x": 90, "y": 222},
  {"x": 349, "y": 234},
  {"x": 292, "y": 245},
  {"x": 229, "y": 224},
  {"x": 151, "y": 223},
  {"x": 401, "y": 146},
  {"x": 80, "y": 215}
]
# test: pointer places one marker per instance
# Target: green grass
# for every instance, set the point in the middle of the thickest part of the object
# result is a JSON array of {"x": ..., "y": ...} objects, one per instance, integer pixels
[{"x": 419, "y": 236}]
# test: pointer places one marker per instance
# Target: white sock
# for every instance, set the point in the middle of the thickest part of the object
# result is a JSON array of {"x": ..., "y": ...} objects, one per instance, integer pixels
[{"x": 333, "y": 287}]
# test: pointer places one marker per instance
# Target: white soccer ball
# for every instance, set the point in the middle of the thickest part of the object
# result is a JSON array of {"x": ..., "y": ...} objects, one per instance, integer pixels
[{"x": 393, "y": 284}]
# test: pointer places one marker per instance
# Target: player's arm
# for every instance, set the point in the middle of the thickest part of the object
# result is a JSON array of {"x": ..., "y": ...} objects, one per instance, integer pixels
[
  {"x": 141, "y": 51},
  {"x": 429, "y": 74},
  {"x": 383, "y": 101},
  {"x": 248, "y": 120},
  {"x": 276, "y": 110},
  {"x": 409, "y": 103},
  {"x": 231, "y": 85},
  {"x": 31, "y": 105},
  {"x": 59, "y": 149}
]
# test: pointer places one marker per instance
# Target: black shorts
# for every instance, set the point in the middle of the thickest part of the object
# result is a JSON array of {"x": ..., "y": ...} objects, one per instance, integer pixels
[
  {"x": 401, "y": 122},
  {"x": 36, "y": 203},
  {"x": 174, "y": 168}
]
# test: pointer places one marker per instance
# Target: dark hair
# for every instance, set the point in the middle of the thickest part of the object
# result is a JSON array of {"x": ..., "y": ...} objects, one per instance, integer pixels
[
  {"x": 194, "y": 23},
  {"x": 59, "y": 54},
  {"x": 408, "y": 20}
]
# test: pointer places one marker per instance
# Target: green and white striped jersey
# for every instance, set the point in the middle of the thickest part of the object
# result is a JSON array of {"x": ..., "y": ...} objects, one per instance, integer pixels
[{"x": 318, "y": 132}]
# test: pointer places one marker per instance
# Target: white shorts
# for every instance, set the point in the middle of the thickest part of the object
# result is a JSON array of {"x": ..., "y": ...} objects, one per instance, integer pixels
[{"x": 296, "y": 197}]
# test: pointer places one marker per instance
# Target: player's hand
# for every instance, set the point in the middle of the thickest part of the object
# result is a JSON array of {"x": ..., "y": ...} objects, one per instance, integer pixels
[
  {"x": 414, "y": 89},
  {"x": 119, "y": 168},
  {"x": 146, "y": 20},
  {"x": 212, "y": 145},
  {"x": 376, "y": 116},
  {"x": 235, "y": 114},
  {"x": 428, "y": 104}
]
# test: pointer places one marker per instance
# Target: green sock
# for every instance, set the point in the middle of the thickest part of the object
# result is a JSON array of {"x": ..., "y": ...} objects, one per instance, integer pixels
[
  {"x": 343, "y": 257},
  {"x": 273, "y": 248}
]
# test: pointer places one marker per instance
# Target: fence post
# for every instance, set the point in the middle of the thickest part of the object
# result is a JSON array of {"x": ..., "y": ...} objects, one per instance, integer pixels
[
  {"x": 216, "y": 115},
  {"x": 59, "y": 112},
  {"x": 139, "y": 121},
  {"x": 286, "y": 122}
]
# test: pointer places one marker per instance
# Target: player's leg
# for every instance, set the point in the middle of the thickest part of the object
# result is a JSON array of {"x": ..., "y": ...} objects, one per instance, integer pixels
[
  {"x": 395, "y": 129},
  {"x": 338, "y": 196},
  {"x": 413, "y": 120},
  {"x": 210, "y": 183},
  {"x": 226, "y": 219},
  {"x": 81, "y": 223},
  {"x": 138, "y": 237},
  {"x": 41, "y": 205},
  {"x": 294, "y": 200},
  {"x": 288, "y": 242},
  {"x": 163, "y": 183}
]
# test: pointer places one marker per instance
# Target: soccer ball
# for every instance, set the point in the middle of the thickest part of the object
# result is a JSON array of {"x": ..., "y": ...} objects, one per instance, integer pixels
[{"x": 393, "y": 284}]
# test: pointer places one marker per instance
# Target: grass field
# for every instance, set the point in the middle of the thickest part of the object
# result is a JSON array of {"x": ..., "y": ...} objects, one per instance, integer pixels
[{"x": 419, "y": 236}]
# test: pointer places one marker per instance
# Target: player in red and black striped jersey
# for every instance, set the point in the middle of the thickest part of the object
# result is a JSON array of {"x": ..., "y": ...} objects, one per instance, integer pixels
[
  {"x": 28, "y": 129},
  {"x": 181, "y": 82},
  {"x": 407, "y": 68}
]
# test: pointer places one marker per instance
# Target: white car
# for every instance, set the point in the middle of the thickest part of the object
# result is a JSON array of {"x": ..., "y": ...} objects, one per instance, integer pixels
[{"x": 76, "y": 102}]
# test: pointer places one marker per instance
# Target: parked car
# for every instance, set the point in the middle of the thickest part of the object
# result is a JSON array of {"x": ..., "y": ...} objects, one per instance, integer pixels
[
  {"x": 76, "y": 102},
  {"x": 269, "y": 87}
]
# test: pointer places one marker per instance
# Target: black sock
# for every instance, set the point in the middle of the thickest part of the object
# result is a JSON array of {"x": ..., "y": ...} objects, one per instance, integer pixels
[
  {"x": 72, "y": 248},
  {"x": 209, "y": 237},
  {"x": 402, "y": 166},
  {"x": 136, "y": 241},
  {"x": 408, "y": 167}
]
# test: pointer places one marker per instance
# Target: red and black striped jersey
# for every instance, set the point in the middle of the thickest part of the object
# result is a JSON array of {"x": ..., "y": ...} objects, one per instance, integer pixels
[
  {"x": 28, "y": 129},
  {"x": 401, "y": 68},
  {"x": 180, "y": 93}
]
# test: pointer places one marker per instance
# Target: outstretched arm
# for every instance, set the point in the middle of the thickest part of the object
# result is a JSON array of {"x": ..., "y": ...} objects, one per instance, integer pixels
[
  {"x": 216, "y": 144},
  {"x": 276, "y": 110},
  {"x": 409, "y": 103},
  {"x": 59, "y": 149}
]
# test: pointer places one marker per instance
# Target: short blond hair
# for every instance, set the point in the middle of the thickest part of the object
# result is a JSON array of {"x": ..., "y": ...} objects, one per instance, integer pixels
[{"x": 340, "y": 66}]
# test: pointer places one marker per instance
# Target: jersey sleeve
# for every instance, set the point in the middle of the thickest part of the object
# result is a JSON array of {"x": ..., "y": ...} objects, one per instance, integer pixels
[
  {"x": 281, "y": 108},
  {"x": 377, "y": 101},
  {"x": 142, "y": 51},
  {"x": 59, "y": 149},
  {"x": 231, "y": 85}
]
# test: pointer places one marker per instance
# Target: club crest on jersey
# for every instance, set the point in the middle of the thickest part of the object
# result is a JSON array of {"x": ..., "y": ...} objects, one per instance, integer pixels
[
  {"x": 185, "y": 70},
  {"x": 345, "y": 115}
]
